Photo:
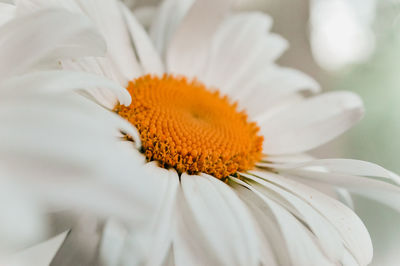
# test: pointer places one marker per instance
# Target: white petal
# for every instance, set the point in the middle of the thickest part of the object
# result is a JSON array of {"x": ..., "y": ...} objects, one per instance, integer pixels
[
  {"x": 345, "y": 197},
  {"x": 235, "y": 31},
  {"x": 271, "y": 85},
  {"x": 48, "y": 118},
  {"x": 38, "y": 255},
  {"x": 327, "y": 237},
  {"x": 156, "y": 227},
  {"x": 383, "y": 192},
  {"x": 219, "y": 228},
  {"x": 112, "y": 243},
  {"x": 360, "y": 177},
  {"x": 149, "y": 59},
  {"x": 343, "y": 166},
  {"x": 167, "y": 18},
  {"x": 108, "y": 18},
  {"x": 348, "y": 259},
  {"x": 101, "y": 67},
  {"x": 188, "y": 50},
  {"x": 240, "y": 48},
  {"x": 81, "y": 243},
  {"x": 310, "y": 123},
  {"x": 46, "y": 31},
  {"x": 7, "y": 12},
  {"x": 25, "y": 7},
  {"x": 293, "y": 158},
  {"x": 41, "y": 142},
  {"x": 57, "y": 81},
  {"x": 145, "y": 15},
  {"x": 21, "y": 222},
  {"x": 353, "y": 232},
  {"x": 163, "y": 220},
  {"x": 299, "y": 247}
]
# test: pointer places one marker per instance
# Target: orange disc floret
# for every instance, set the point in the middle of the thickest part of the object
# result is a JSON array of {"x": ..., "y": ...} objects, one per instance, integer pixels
[{"x": 184, "y": 125}]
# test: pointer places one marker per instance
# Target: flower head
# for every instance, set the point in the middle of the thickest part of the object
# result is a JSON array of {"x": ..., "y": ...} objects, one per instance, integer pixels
[{"x": 222, "y": 131}]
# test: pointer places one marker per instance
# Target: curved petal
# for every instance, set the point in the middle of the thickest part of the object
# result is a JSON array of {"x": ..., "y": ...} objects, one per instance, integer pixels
[
  {"x": 241, "y": 47},
  {"x": 219, "y": 226},
  {"x": 187, "y": 52},
  {"x": 112, "y": 243},
  {"x": 7, "y": 12},
  {"x": 295, "y": 245},
  {"x": 108, "y": 18},
  {"x": 155, "y": 228},
  {"x": 291, "y": 158},
  {"x": 358, "y": 177},
  {"x": 46, "y": 31},
  {"x": 270, "y": 86},
  {"x": 349, "y": 226},
  {"x": 310, "y": 123},
  {"x": 145, "y": 15},
  {"x": 167, "y": 18},
  {"x": 148, "y": 56},
  {"x": 81, "y": 243},
  {"x": 21, "y": 222},
  {"x": 342, "y": 166},
  {"x": 58, "y": 81},
  {"x": 326, "y": 235},
  {"x": 163, "y": 221},
  {"x": 39, "y": 254}
]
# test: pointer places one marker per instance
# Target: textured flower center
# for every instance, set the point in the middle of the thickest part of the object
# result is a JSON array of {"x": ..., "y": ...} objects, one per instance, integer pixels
[{"x": 185, "y": 126}]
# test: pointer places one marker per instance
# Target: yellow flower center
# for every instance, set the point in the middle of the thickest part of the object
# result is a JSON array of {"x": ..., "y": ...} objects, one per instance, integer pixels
[{"x": 184, "y": 125}]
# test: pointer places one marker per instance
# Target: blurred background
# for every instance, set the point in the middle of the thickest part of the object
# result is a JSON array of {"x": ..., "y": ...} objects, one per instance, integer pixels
[{"x": 350, "y": 45}]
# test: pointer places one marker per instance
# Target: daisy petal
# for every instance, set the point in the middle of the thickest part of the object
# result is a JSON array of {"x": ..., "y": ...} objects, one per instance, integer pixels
[
  {"x": 56, "y": 81},
  {"x": 145, "y": 15},
  {"x": 188, "y": 49},
  {"x": 343, "y": 166},
  {"x": 80, "y": 245},
  {"x": 38, "y": 254},
  {"x": 112, "y": 243},
  {"x": 7, "y": 12},
  {"x": 350, "y": 176},
  {"x": 149, "y": 58},
  {"x": 46, "y": 31},
  {"x": 298, "y": 242},
  {"x": 271, "y": 85},
  {"x": 106, "y": 15},
  {"x": 292, "y": 158},
  {"x": 327, "y": 237},
  {"x": 226, "y": 239},
  {"x": 310, "y": 123},
  {"x": 351, "y": 229},
  {"x": 167, "y": 18},
  {"x": 250, "y": 48},
  {"x": 161, "y": 225},
  {"x": 21, "y": 222},
  {"x": 235, "y": 30}
]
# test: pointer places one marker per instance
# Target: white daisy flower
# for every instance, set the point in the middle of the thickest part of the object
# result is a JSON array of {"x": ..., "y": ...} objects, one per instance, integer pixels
[{"x": 223, "y": 132}]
